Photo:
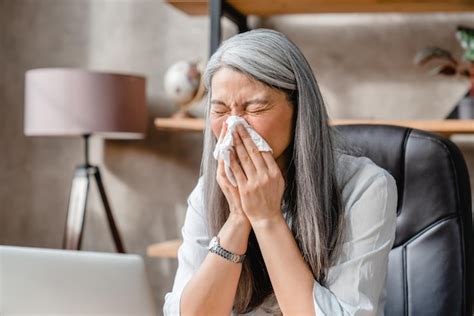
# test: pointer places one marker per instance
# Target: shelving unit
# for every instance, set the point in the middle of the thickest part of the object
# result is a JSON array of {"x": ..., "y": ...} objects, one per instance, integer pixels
[{"x": 238, "y": 10}]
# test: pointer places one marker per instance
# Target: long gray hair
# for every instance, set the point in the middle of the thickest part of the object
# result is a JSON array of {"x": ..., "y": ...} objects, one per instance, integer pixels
[{"x": 312, "y": 198}]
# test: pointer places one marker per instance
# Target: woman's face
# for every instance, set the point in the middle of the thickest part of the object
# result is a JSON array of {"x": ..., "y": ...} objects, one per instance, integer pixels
[{"x": 267, "y": 110}]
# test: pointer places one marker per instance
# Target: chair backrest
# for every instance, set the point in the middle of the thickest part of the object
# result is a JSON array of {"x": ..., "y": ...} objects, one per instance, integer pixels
[{"x": 430, "y": 263}]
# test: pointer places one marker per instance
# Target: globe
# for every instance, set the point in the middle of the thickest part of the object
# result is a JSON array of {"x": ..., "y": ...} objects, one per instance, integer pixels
[{"x": 183, "y": 84}]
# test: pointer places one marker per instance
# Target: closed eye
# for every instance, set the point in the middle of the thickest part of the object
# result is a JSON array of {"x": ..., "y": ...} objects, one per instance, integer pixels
[
  {"x": 219, "y": 107},
  {"x": 254, "y": 111},
  {"x": 253, "y": 106},
  {"x": 258, "y": 108},
  {"x": 219, "y": 110}
]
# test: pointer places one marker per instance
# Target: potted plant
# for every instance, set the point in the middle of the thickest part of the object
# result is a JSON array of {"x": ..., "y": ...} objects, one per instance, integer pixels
[{"x": 449, "y": 66}]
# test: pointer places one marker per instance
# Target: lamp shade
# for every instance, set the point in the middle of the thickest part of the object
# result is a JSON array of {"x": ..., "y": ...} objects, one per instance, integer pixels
[{"x": 73, "y": 102}]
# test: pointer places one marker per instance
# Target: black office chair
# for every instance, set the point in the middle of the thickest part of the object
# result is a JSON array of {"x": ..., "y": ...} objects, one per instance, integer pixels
[{"x": 430, "y": 263}]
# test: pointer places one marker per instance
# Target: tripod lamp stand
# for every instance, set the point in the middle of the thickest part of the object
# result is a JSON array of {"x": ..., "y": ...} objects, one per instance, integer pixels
[{"x": 77, "y": 102}]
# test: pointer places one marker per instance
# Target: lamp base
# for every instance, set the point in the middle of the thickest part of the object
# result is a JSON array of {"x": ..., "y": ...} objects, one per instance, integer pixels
[{"x": 77, "y": 208}]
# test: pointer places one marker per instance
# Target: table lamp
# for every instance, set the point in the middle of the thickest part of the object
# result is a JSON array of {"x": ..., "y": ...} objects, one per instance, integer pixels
[{"x": 77, "y": 102}]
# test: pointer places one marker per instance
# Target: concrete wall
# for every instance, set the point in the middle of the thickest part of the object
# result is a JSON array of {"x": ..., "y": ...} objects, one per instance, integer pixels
[{"x": 362, "y": 62}]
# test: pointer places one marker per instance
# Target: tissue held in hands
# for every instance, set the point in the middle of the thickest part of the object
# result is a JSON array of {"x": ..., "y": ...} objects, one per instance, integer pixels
[{"x": 223, "y": 148}]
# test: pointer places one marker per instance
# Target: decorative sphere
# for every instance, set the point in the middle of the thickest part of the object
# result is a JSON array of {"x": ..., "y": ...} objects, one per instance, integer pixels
[{"x": 182, "y": 81}]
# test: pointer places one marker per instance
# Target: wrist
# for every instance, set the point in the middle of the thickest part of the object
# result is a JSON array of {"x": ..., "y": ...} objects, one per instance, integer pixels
[
  {"x": 263, "y": 223},
  {"x": 240, "y": 221},
  {"x": 235, "y": 233}
]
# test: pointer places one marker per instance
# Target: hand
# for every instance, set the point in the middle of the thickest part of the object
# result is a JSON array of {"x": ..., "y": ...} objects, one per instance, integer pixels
[
  {"x": 259, "y": 179},
  {"x": 230, "y": 192}
]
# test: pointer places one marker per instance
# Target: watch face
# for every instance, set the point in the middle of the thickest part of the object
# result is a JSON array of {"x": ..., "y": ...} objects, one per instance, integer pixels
[{"x": 213, "y": 242}]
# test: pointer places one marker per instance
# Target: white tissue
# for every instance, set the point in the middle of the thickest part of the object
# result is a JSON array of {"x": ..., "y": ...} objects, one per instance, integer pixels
[{"x": 223, "y": 148}]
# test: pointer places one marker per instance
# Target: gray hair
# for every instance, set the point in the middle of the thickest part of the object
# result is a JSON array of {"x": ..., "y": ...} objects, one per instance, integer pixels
[{"x": 312, "y": 197}]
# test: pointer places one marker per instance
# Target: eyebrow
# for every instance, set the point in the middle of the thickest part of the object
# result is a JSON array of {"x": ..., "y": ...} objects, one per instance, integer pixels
[{"x": 245, "y": 104}]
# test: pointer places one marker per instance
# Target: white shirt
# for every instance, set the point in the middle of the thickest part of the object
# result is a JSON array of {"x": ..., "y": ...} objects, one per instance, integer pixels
[{"x": 356, "y": 281}]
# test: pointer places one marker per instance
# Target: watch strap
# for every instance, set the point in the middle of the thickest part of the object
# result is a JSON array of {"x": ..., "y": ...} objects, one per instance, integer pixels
[{"x": 226, "y": 254}]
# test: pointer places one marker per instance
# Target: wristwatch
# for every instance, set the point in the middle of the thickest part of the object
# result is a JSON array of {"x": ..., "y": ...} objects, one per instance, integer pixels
[{"x": 215, "y": 247}]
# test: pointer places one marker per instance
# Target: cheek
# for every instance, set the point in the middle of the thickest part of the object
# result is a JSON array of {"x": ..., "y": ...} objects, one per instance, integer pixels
[
  {"x": 266, "y": 129},
  {"x": 216, "y": 124},
  {"x": 275, "y": 132}
]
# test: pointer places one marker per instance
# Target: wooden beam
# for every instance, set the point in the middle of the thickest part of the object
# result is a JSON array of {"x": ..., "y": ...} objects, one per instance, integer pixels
[
  {"x": 275, "y": 7},
  {"x": 191, "y": 7},
  {"x": 181, "y": 124},
  {"x": 166, "y": 249},
  {"x": 444, "y": 127}
]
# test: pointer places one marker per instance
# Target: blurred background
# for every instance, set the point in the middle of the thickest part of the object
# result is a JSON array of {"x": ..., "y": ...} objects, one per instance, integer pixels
[{"x": 363, "y": 63}]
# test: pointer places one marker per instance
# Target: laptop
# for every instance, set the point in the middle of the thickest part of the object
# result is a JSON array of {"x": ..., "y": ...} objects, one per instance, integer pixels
[{"x": 63, "y": 282}]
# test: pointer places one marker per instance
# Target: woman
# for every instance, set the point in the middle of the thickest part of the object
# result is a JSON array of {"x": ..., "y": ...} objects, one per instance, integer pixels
[{"x": 315, "y": 222}]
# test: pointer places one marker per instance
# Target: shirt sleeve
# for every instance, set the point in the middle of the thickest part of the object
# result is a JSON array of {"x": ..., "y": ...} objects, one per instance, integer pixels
[
  {"x": 355, "y": 283},
  {"x": 192, "y": 251}
]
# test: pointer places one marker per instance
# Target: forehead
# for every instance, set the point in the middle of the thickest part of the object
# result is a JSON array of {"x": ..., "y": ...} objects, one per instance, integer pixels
[{"x": 229, "y": 83}]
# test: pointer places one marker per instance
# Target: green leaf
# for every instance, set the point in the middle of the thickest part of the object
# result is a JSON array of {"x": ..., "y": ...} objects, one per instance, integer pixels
[{"x": 465, "y": 36}]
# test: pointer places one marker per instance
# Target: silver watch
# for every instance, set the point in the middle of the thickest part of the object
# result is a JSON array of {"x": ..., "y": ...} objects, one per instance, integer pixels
[{"x": 215, "y": 247}]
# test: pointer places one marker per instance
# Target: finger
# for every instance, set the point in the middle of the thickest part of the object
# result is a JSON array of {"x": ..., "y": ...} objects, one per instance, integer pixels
[
  {"x": 223, "y": 131},
  {"x": 270, "y": 161},
  {"x": 251, "y": 148},
  {"x": 243, "y": 157},
  {"x": 238, "y": 171},
  {"x": 223, "y": 178},
  {"x": 221, "y": 135},
  {"x": 220, "y": 168}
]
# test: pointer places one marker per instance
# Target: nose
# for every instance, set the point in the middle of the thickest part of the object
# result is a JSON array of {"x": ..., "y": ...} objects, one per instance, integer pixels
[{"x": 236, "y": 112}]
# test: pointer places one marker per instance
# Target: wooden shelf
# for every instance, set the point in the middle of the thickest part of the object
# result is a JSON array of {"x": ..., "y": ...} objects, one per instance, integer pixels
[
  {"x": 181, "y": 124},
  {"x": 444, "y": 127},
  {"x": 167, "y": 249},
  {"x": 272, "y": 7}
]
